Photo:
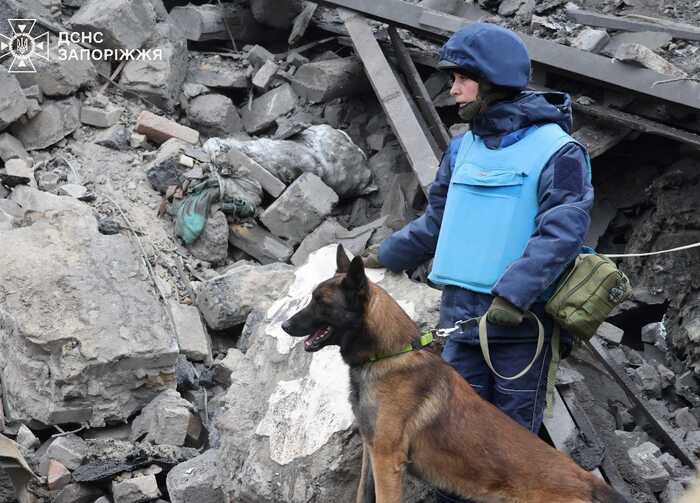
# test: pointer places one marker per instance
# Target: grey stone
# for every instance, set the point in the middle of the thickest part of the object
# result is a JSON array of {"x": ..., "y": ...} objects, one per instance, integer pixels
[
  {"x": 197, "y": 481},
  {"x": 685, "y": 419},
  {"x": 645, "y": 459},
  {"x": 85, "y": 367},
  {"x": 21, "y": 167},
  {"x": 136, "y": 490},
  {"x": 33, "y": 109},
  {"x": 214, "y": 115},
  {"x": 591, "y": 40},
  {"x": 649, "y": 379},
  {"x": 115, "y": 137},
  {"x": 263, "y": 77},
  {"x": 610, "y": 332},
  {"x": 13, "y": 104},
  {"x": 190, "y": 90},
  {"x": 258, "y": 243},
  {"x": 60, "y": 76},
  {"x": 33, "y": 93},
  {"x": 124, "y": 24},
  {"x": 164, "y": 421},
  {"x": 72, "y": 190},
  {"x": 667, "y": 376},
  {"x": 654, "y": 40},
  {"x": 276, "y": 13},
  {"x": 212, "y": 245},
  {"x": 58, "y": 476},
  {"x": 258, "y": 56},
  {"x": 296, "y": 59},
  {"x": 56, "y": 120},
  {"x": 286, "y": 415},
  {"x": 227, "y": 366},
  {"x": 672, "y": 464},
  {"x": 159, "y": 80},
  {"x": 630, "y": 439},
  {"x": 69, "y": 450},
  {"x": 301, "y": 23},
  {"x": 208, "y": 22},
  {"x": 11, "y": 148},
  {"x": 100, "y": 117},
  {"x": 77, "y": 493},
  {"x": 165, "y": 170},
  {"x": 269, "y": 107},
  {"x": 692, "y": 442},
  {"x": 214, "y": 71},
  {"x": 644, "y": 56},
  {"x": 226, "y": 301},
  {"x": 300, "y": 209},
  {"x": 325, "y": 80},
  {"x": 510, "y": 7},
  {"x": 654, "y": 333},
  {"x": 192, "y": 337},
  {"x": 26, "y": 438},
  {"x": 673, "y": 492}
]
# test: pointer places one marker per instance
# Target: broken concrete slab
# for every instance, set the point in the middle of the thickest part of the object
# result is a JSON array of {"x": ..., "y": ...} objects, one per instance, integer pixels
[
  {"x": 13, "y": 104},
  {"x": 59, "y": 76},
  {"x": 212, "y": 245},
  {"x": 329, "y": 232},
  {"x": 11, "y": 148},
  {"x": 269, "y": 107},
  {"x": 56, "y": 120},
  {"x": 164, "y": 421},
  {"x": 653, "y": 40},
  {"x": 323, "y": 81},
  {"x": 610, "y": 332},
  {"x": 644, "y": 56},
  {"x": 259, "y": 243},
  {"x": 160, "y": 129},
  {"x": 591, "y": 40},
  {"x": 654, "y": 333},
  {"x": 214, "y": 115},
  {"x": 102, "y": 117},
  {"x": 258, "y": 56},
  {"x": 84, "y": 368},
  {"x": 123, "y": 24},
  {"x": 226, "y": 301},
  {"x": 192, "y": 337},
  {"x": 208, "y": 22},
  {"x": 136, "y": 490},
  {"x": 69, "y": 450},
  {"x": 197, "y": 480},
  {"x": 234, "y": 158},
  {"x": 263, "y": 77},
  {"x": 649, "y": 379},
  {"x": 645, "y": 459},
  {"x": 158, "y": 80},
  {"x": 215, "y": 71},
  {"x": 300, "y": 209}
]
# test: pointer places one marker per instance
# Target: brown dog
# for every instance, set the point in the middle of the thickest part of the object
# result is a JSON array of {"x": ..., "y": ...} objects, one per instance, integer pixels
[{"x": 416, "y": 412}]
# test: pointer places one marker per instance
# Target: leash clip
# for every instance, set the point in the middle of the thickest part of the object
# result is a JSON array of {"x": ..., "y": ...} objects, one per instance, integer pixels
[{"x": 444, "y": 332}]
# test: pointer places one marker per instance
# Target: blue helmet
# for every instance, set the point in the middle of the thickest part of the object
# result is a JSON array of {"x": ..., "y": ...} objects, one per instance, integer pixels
[{"x": 489, "y": 52}]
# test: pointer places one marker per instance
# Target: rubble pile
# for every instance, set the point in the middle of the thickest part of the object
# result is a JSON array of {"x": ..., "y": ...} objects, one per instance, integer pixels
[{"x": 161, "y": 217}]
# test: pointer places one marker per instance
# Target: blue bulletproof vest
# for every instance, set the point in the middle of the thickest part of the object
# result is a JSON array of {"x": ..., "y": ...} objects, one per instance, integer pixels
[{"x": 492, "y": 202}]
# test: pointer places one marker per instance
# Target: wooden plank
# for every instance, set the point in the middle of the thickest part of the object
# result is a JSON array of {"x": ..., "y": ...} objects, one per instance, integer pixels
[
  {"x": 579, "y": 64},
  {"x": 676, "y": 30},
  {"x": 395, "y": 104},
  {"x": 420, "y": 93},
  {"x": 599, "y": 138}
]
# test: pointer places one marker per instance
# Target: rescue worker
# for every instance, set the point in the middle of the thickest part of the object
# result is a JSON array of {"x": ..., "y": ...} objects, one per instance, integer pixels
[{"x": 507, "y": 213}]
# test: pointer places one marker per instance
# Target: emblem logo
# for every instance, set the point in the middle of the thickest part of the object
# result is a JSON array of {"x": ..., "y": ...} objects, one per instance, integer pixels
[{"x": 22, "y": 46}]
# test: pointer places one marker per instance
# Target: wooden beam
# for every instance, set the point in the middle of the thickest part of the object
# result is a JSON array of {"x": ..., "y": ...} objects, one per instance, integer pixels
[
  {"x": 676, "y": 30},
  {"x": 386, "y": 86},
  {"x": 599, "y": 137}
]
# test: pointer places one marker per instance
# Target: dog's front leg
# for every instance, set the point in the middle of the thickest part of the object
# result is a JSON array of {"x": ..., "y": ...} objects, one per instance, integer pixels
[
  {"x": 365, "y": 490},
  {"x": 388, "y": 468}
]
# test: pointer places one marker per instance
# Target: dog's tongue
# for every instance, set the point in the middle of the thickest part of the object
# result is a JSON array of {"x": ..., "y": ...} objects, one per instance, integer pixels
[{"x": 315, "y": 337}]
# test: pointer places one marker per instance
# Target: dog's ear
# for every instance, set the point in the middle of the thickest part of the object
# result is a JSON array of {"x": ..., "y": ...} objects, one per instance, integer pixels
[
  {"x": 356, "y": 279},
  {"x": 342, "y": 260}
]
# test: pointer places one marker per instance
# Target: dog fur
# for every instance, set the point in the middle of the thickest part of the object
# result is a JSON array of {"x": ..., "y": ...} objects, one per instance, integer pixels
[{"x": 416, "y": 413}]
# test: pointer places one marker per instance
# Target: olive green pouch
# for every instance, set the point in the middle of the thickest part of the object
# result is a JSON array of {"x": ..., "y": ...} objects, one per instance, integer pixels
[{"x": 584, "y": 298}]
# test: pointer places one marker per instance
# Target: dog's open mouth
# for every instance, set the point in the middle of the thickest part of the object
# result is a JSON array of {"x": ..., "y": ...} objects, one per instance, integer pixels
[{"x": 315, "y": 341}]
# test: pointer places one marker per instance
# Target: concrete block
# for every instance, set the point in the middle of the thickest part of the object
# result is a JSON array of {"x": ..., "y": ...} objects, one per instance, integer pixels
[
  {"x": 25, "y": 436},
  {"x": 11, "y": 148},
  {"x": 214, "y": 115},
  {"x": 69, "y": 450},
  {"x": 192, "y": 337},
  {"x": 258, "y": 243},
  {"x": 591, "y": 40},
  {"x": 164, "y": 421},
  {"x": 160, "y": 129},
  {"x": 13, "y": 104},
  {"x": 654, "y": 333},
  {"x": 196, "y": 480},
  {"x": 124, "y": 24},
  {"x": 136, "y": 490},
  {"x": 322, "y": 81},
  {"x": 644, "y": 56},
  {"x": 649, "y": 379},
  {"x": 212, "y": 244},
  {"x": 100, "y": 117},
  {"x": 56, "y": 120},
  {"x": 645, "y": 459},
  {"x": 258, "y": 56},
  {"x": 21, "y": 167},
  {"x": 610, "y": 332},
  {"x": 269, "y": 107},
  {"x": 137, "y": 140},
  {"x": 77, "y": 493},
  {"x": 58, "y": 476},
  {"x": 208, "y": 22},
  {"x": 239, "y": 162},
  {"x": 263, "y": 77},
  {"x": 214, "y": 71},
  {"x": 300, "y": 209}
]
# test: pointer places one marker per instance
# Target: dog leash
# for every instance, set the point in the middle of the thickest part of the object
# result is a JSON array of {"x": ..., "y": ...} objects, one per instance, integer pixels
[{"x": 647, "y": 254}]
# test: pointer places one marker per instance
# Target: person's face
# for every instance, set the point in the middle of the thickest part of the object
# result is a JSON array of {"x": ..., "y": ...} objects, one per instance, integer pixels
[{"x": 464, "y": 89}]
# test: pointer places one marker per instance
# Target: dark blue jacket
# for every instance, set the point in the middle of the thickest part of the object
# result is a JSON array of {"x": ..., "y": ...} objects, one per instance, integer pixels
[{"x": 565, "y": 200}]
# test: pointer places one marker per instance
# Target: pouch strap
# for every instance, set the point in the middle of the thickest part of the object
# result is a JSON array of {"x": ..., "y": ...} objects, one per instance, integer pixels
[{"x": 484, "y": 342}]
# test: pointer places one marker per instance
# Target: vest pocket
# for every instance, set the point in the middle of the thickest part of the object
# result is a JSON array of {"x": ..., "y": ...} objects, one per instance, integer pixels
[{"x": 476, "y": 230}]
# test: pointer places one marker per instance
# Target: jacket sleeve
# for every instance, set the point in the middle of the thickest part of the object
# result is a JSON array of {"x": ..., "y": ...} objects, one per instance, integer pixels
[
  {"x": 415, "y": 243},
  {"x": 565, "y": 201}
]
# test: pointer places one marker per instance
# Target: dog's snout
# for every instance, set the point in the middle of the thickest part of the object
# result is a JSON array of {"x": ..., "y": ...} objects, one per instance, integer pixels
[{"x": 285, "y": 326}]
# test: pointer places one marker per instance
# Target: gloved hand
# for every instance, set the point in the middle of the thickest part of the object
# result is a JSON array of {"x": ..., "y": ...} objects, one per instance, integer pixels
[
  {"x": 504, "y": 313},
  {"x": 370, "y": 258}
]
